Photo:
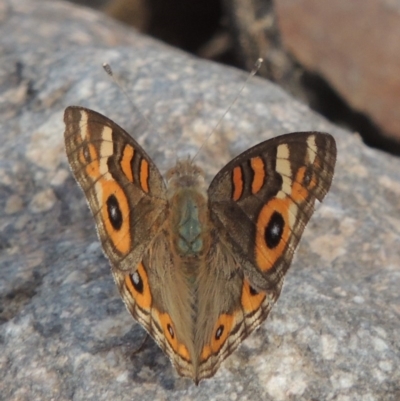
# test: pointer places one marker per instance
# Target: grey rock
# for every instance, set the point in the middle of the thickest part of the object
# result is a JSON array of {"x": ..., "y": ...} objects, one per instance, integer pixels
[{"x": 65, "y": 334}]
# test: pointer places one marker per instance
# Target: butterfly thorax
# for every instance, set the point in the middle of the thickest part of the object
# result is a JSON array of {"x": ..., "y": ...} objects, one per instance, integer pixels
[{"x": 188, "y": 217}]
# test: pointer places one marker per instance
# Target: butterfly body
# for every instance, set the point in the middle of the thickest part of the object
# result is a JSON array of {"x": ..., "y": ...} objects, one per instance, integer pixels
[
  {"x": 189, "y": 219},
  {"x": 199, "y": 268}
]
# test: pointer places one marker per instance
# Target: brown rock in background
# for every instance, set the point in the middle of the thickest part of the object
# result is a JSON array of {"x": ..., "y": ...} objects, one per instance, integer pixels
[{"x": 355, "y": 45}]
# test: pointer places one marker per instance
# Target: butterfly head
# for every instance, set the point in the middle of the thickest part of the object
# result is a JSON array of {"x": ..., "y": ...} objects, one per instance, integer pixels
[{"x": 185, "y": 174}]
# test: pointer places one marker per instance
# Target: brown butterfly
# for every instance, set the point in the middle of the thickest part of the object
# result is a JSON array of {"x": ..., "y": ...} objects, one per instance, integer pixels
[{"x": 198, "y": 268}]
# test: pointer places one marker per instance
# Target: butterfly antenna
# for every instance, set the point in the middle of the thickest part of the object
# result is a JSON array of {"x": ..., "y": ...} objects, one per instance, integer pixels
[
  {"x": 253, "y": 72},
  {"x": 109, "y": 71}
]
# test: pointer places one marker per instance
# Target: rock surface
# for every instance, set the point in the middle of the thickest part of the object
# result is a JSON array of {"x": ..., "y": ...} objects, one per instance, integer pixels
[
  {"x": 65, "y": 334},
  {"x": 354, "y": 46}
]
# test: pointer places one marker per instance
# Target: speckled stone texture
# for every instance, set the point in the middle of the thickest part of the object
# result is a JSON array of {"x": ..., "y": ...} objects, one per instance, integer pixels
[{"x": 65, "y": 334}]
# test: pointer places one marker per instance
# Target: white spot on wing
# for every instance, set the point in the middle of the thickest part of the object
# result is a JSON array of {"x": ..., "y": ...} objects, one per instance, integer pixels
[
  {"x": 293, "y": 208},
  {"x": 83, "y": 124},
  {"x": 106, "y": 150},
  {"x": 283, "y": 168},
  {"x": 282, "y": 151},
  {"x": 281, "y": 195},
  {"x": 311, "y": 148}
]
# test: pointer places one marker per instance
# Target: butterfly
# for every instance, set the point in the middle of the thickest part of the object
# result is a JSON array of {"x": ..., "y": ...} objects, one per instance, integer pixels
[{"x": 199, "y": 268}]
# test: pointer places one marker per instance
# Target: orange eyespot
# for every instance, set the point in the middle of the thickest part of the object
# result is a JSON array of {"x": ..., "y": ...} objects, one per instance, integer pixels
[
  {"x": 221, "y": 331},
  {"x": 272, "y": 233},
  {"x": 169, "y": 332},
  {"x": 138, "y": 286},
  {"x": 115, "y": 214}
]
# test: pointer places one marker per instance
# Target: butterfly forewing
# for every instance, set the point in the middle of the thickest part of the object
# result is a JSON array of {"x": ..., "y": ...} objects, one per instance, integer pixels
[
  {"x": 125, "y": 190},
  {"x": 262, "y": 200},
  {"x": 230, "y": 310}
]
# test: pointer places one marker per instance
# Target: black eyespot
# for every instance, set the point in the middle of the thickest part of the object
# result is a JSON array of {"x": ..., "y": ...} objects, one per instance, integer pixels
[
  {"x": 253, "y": 291},
  {"x": 137, "y": 282},
  {"x": 86, "y": 153},
  {"x": 219, "y": 332},
  {"x": 171, "y": 330},
  {"x": 114, "y": 212},
  {"x": 274, "y": 230},
  {"x": 307, "y": 177}
]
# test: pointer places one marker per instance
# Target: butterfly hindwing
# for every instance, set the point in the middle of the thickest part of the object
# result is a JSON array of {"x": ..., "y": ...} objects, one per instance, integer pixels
[
  {"x": 158, "y": 297},
  {"x": 124, "y": 189},
  {"x": 262, "y": 200},
  {"x": 229, "y": 311}
]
